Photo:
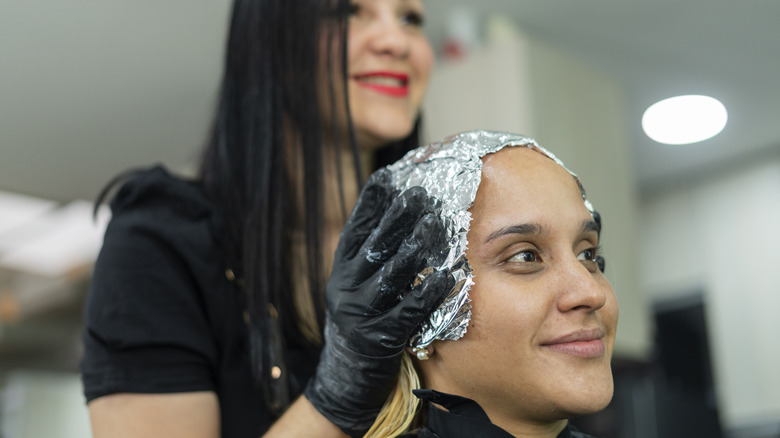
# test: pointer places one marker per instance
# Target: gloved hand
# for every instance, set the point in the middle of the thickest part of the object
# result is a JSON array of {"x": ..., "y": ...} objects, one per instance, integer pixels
[{"x": 373, "y": 309}]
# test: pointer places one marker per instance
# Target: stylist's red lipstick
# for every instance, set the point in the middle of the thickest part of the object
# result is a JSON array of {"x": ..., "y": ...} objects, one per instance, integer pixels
[
  {"x": 581, "y": 343},
  {"x": 384, "y": 82}
]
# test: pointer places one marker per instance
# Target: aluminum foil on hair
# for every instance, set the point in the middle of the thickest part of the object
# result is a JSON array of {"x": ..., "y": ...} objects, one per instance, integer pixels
[{"x": 451, "y": 170}]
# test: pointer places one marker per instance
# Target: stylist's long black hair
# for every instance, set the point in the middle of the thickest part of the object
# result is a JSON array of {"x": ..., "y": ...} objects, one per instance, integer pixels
[{"x": 268, "y": 107}]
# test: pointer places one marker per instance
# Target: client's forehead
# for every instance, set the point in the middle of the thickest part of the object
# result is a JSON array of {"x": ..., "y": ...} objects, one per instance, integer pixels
[
  {"x": 524, "y": 168},
  {"x": 520, "y": 160},
  {"x": 520, "y": 181}
]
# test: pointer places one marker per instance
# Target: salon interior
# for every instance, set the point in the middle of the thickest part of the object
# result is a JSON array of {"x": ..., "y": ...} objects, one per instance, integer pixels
[{"x": 88, "y": 89}]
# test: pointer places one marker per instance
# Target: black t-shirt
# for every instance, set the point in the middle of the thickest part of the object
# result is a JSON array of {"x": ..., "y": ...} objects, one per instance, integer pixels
[
  {"x": 465, "y": 418},
  {"x": 162, "y": 316}
]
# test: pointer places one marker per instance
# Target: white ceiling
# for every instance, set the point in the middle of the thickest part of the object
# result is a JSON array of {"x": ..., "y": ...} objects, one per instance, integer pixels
[{"x": 88, "y": 88}]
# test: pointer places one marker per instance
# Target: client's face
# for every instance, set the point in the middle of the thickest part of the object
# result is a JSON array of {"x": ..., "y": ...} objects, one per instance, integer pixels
[{"x": 538, "y": 347}]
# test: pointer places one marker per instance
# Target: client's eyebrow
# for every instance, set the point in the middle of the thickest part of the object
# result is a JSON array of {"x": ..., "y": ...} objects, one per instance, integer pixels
[
  {"x": 590, "y": 225},
  {"x": 532, "y": 228},
  {"x": 536, "y": 229}
]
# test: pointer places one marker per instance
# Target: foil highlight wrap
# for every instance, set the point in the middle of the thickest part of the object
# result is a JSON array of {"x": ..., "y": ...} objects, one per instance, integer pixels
[{"x": 451, "y": 170}]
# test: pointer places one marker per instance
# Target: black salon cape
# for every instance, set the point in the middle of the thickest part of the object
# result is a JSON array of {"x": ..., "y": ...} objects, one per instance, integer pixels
[
  {"x": 465, "y": 419},
  {"x": 162, "y": 317}
]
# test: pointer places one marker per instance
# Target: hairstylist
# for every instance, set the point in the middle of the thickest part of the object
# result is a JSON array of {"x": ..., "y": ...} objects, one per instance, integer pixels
[{"x": 206, "y": 312}]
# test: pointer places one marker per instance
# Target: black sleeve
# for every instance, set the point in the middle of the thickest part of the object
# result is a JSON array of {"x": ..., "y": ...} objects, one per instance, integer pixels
[{"x": 147, "y": 326}]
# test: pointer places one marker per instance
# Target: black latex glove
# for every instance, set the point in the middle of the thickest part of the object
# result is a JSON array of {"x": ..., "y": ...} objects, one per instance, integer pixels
[{"x": 373, "y": 309}]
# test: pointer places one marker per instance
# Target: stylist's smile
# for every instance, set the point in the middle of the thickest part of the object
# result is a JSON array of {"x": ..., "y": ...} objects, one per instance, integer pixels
[
  {"x": 385, "y": 82},
  {"x": 586, "y": 343}
]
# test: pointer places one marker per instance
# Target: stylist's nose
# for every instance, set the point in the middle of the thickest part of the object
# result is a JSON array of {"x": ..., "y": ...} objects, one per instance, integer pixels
[
  {"x": 389, "y": 37},
  {"x": 578, "y": 289}
]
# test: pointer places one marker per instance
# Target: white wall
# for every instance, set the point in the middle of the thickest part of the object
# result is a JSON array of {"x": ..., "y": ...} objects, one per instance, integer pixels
[
  {"x": 722, "y": 235},
  {"x": 43, "y": 404}
]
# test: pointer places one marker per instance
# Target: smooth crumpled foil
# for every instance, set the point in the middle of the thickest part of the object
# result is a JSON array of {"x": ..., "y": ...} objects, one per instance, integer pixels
[{"x": 451, "y": 170}]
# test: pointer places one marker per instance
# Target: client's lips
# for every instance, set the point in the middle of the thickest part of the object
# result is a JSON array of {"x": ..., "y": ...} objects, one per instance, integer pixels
[
  {"x": 586, "y": 343},
  {"x": 385, "y": 82}
]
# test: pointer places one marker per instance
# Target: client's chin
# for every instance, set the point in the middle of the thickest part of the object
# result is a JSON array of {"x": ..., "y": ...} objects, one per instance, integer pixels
[{"x": 588, "y": 398}]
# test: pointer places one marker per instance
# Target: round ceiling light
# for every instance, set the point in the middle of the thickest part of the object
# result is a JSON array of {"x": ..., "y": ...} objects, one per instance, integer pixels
[{"x": 684, "y": 119}]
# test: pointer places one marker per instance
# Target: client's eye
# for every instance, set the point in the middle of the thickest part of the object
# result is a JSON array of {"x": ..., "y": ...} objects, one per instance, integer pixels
[
  {"x": 589, "y": 255},
  {"x": 525, "y": 257},
  {"x": 591, "y": 259}
]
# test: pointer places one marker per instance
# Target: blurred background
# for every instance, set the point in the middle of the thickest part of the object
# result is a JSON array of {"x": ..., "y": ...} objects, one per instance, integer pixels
[{"x": 90, "y": 88}]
